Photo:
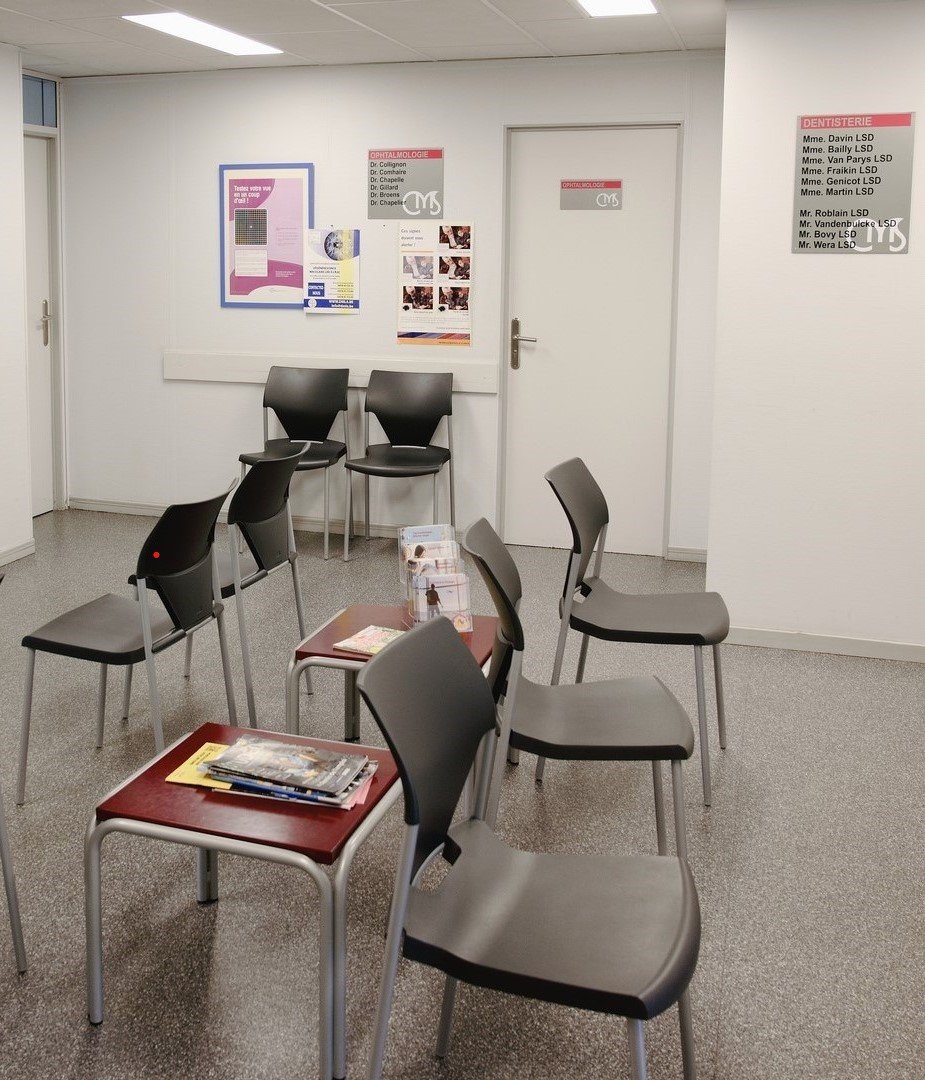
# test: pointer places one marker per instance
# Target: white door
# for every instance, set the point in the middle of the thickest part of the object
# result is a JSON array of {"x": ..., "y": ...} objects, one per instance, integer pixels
[
  {"x": 595, "y": 288},
  {"x": 41, "y": 336}
]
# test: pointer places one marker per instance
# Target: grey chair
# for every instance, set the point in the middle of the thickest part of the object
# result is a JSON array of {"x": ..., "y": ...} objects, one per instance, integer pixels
[
  {"x": 408, "y": 407},
  {"x": 9, "y": 883},
  {"x": 635, "y": 719},
  {"x": 177, "y": 563},
  {"x": 593, "y": 608},
  {"x": 307, "y": 402},
  {"x": 613, "y": 934},
  {"x": 259, "y": 518}
]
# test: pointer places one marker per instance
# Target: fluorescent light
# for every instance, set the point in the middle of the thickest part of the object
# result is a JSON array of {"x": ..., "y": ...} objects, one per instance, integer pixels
[
  {"x": 602, "y": 9},
  {"x": 213, "y": 37}
]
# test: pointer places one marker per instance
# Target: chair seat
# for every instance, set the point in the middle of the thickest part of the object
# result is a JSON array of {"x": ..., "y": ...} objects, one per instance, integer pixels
[
  {"x": 616, "y": 934},
  {"x": 318, "y": 455},
  {"x": 105, "y": 631},
  {"x": 385, "y": 460},
  {"x": 635, "y": 719},
  {"x": 249, "y": 572},
  {"x": 655, "y": 618}
]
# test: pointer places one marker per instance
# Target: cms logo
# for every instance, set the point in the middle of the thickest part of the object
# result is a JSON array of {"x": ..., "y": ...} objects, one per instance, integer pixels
[
  {"x": 609, "y": 198},
  {"x": 886, "y": 232},
  {"x": 420, "y": 202}
]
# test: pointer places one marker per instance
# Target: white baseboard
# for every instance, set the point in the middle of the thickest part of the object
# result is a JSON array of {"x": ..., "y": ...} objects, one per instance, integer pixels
[
  {"x": 822, "y": 643},
  {"x": 20, "y": 551},
  {"x": 683, "y": 554},
  {"x": 299, "y": 522}
]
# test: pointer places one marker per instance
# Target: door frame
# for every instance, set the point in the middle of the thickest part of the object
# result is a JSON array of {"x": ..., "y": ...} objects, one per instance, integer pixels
[
  {"x": 505, "y": 375},
  {"x": 56, "y": 279}
]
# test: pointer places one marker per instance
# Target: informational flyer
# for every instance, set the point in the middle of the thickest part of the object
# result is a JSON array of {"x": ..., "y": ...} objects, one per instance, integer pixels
[
  {"x": 853, "y": 184},
  {"x": 332, "y": 271},
  {"x": 406, "y": 183},
  {"x": 435, "y": 282},
  {"x": 265, "y": 212}
]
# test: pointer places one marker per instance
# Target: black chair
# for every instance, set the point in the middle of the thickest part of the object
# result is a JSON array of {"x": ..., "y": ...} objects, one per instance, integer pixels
[
  {"x": 259, "y": 518},
  {"x": 614, "y": 934},
  {"x": 9, "y": 883},
  {"x": 635, "y": 719},
  {"x": 306, "y": 402},
  {"x": 177, "y": 562},
  {"x": 408, "y": 407},
  {"x": 590, "y": 606}
]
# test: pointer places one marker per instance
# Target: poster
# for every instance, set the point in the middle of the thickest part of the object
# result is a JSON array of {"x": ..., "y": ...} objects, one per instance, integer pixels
[
  {"x": 265, "y": 211},
  {"x": 332, "y": 271},
  {"x": 435, "y": 283},
  {"x": 853, "y": 184},
  {"x": 406, "y": 183}
]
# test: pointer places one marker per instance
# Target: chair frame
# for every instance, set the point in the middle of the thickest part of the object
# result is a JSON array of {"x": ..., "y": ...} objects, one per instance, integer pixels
[{"x": 9, "y": 884}]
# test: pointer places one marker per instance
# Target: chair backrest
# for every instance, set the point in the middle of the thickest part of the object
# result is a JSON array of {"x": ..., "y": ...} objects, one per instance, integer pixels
[
  {"x": 176, "y": 560},
  {"x": 259, "y": 508},
  {"x": 306, "y": 400},
  {"x": 499, "y": 572},
  {"x": 584, "y": 505},
  {"x": 409, "y": 404},
  {"x": 429, "y": 697}
]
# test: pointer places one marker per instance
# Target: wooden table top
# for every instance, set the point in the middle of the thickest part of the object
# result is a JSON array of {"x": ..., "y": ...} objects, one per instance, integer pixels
[
  {"x": 319, "y": 832},
  {"x": 395, "y": 616}
]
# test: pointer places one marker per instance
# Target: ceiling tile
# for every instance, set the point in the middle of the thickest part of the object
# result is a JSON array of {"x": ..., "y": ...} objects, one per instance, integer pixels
[
  {"x": 700, "y": 24},
  {"x": 251, "y": 17},
  {"x": 16, "y": 29},
  {"x": 50, "y": 65},
  {"x": 66, "y": 10},
  {"x": 420, "y": 23},
  {"x": 113, "y": 58},
  {"x": 522, "y": 11},
  {"x": 487, "y": 52},
  {"x": 344, "y": 47},
  {"x": 589, "y": 36}
]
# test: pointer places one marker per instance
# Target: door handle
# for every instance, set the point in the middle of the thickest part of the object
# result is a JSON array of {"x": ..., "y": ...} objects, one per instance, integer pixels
[
  {"x": 516, "y": 338},
  {"x": 46, "y": 319}
]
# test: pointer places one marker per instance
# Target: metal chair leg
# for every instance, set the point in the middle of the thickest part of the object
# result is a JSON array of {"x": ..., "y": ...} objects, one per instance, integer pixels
[
  {"x": 702, "y": 724},
  {"x": 677, "y": 799},
  {"x": 241, "y": 537},
  {"x": 127, "y": 693},
  {"x": 206, "y": 875},
  {"x": 582, "y": 658},
  {"x": 246, "y": 658},
  {"x": 154, "y": 704},
  {"x": 452, "y": 480},
  {"x": 446, "y": 1016},
  {"x": 327, "y": 511},
  {"x": 101, "y": 706},
  {"x": 635, "y": 1033},
  {"x": 540, "y": 770},
  {"x": 366, "y": 499},
  {"x": 659, "y": 808},
  {"x": 188, "y": 659},
  {"x": 436, "y": 508},
  {"x": 687, "y": 1036},
  {"x": 348, "y": 513},
  {"x": 226, "y": 668},
  {"x": 26, "y": 723},
  {"x": 12, "y": 898},
  {"x": 720, "y": 700}
]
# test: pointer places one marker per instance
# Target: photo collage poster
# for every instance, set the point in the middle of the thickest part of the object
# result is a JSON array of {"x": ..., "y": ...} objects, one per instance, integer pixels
[{"x": 435, "y": 278}]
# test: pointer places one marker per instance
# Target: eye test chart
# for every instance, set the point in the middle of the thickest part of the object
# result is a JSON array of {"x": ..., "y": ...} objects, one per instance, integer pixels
[
  {"x": 266, "y": 211},
  {"x": 435, "y": 283}
]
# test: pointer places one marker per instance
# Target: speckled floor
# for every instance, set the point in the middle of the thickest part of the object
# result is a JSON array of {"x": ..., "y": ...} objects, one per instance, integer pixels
[{"x": 809, "y": 865}]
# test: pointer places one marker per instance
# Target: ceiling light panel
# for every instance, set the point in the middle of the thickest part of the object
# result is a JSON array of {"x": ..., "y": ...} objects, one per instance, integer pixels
[
  {"x": 202, "y": 33},
  {"x": 609, "y": 9}
]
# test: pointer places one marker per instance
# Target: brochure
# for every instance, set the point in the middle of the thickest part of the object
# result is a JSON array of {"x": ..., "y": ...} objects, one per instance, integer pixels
[
  {"x": 369, "y": 641},
  {"x": 290, "y": 764}
]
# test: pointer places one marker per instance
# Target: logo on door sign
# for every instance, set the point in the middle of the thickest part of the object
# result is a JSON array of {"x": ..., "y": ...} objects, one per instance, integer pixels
[
  {"x": 610, "y": 198},
  {"x": 419, "y": 202}
]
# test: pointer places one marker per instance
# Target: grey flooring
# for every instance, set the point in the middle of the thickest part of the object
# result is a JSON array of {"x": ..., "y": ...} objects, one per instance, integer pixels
[{"x": 809, "y": 865}]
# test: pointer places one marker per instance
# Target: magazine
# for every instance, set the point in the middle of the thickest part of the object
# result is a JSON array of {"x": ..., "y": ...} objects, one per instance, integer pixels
[
  {"x": 417, "y": 541},
  {"x": 289, "y": 764},
  {"x": 353, "y": 795},
  {"x": 369, "y": 641},
  {"x": 433, "y": 595}
]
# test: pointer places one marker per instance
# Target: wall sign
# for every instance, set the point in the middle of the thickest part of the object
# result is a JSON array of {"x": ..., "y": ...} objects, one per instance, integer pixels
[
  {"x": 435, "y": 283},
  {"x": 406, "y": 183},
  {"x": 591, "y": 195},
  {"x": 332, "y": 271},
  {"x": 853, "y": 184},
  {"x": 265, "y": 210}
]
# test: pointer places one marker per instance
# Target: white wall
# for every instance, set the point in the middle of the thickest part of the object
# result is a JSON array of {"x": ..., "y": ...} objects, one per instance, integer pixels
[
  {"x": 141, "y": 157},
  {"x": 818, "y": 505},
  {"x": 15, "y": 476}
]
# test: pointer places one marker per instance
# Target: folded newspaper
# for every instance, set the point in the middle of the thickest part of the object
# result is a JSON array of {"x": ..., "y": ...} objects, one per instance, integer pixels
[{"x": 292, "y": 765}]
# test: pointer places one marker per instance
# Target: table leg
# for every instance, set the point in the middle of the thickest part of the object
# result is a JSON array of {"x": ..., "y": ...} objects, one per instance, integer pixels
[
  {"x": 293, "y": 678},
  {"x": 351, "y": 706},
  {"x": 206, "y": 876},
  {"x": 94, "y": 917}
]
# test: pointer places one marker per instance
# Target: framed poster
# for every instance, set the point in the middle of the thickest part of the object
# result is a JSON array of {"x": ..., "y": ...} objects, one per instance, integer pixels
[{"x": 265, "y": 212}]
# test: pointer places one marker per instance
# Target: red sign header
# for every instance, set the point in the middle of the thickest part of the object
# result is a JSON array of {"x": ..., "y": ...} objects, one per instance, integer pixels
[
  {"x": 593, "y": 185},
  {"x": 857, "y": 120},
  {"x": 404, "y": 155}
]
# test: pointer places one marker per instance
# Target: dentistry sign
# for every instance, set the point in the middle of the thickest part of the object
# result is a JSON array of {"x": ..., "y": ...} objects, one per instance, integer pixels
[
  {"x": 853, "y": 184},
  {"x": 406, "y": 183}
]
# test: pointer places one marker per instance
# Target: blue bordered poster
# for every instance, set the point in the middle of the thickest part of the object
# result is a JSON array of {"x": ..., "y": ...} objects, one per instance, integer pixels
[{"x": 265, "y": 212}]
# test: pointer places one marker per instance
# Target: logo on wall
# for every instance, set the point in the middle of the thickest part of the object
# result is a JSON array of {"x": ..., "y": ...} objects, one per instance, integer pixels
[{"x": 415, "y": 203}]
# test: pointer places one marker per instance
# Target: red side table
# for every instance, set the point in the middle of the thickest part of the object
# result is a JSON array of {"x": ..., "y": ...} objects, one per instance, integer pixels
[
  {"x": 212, "y": 820},
  {"x": 318, "y": 650}
]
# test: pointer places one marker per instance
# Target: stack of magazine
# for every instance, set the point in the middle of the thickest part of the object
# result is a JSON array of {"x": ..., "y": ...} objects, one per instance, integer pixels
[
  {"x": 256, "y": 766},
  {"x": 434, "y": 576}
]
